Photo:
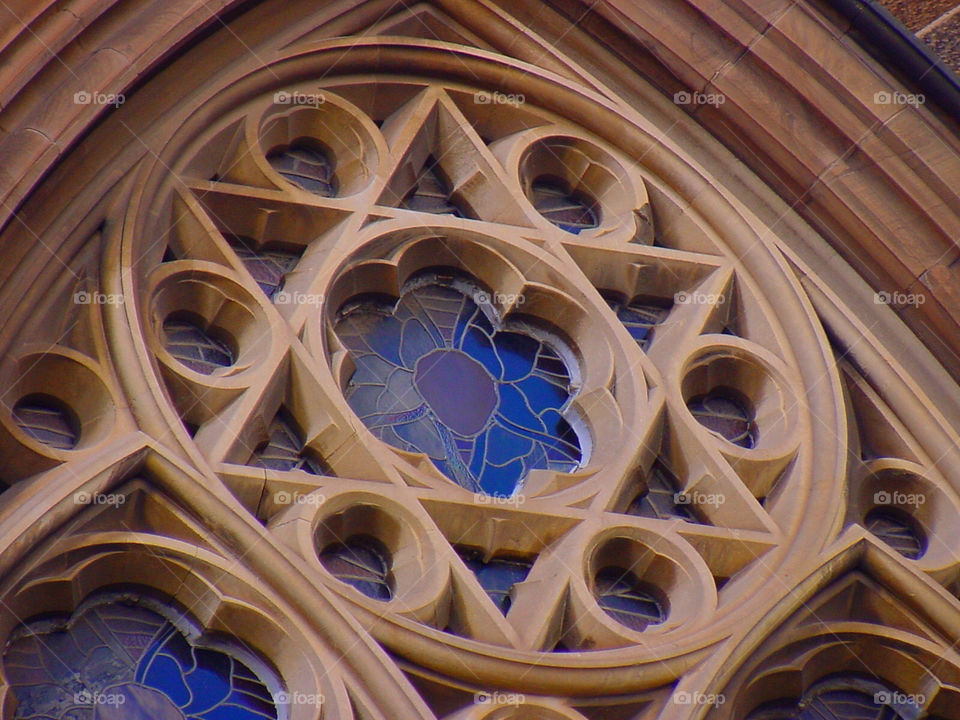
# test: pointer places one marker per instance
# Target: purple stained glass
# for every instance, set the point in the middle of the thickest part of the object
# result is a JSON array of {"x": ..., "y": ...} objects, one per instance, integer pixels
[{"x": 435, "y": 376}]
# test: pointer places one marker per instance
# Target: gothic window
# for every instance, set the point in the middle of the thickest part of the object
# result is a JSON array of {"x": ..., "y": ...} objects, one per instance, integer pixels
[
  {"x": 435, "y": 376},
  {"x": 119, "y": 659},
  {"x": 432, "y": 398}
]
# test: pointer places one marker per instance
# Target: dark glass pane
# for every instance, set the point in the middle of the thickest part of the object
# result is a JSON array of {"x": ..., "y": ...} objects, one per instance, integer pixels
[
  {"x": 123, "y": 660},
  {"x": 566, "y": 211},
  {"x": 306, "y": 166},
  {"x": 434, "y": 376},
  {"x": 898, "y": 530},
  {"x": 845, "y": 697},
  {"x": 658, "y": 500},
  {"x": 639, "y": 319},
  {"x": 193, "y": 347},
  {"x": 268, "y": 267},
  {"x": 627, "y": 600},
  {"x": 284, "y": 450},
  {"x": 361, "y": 562},
  {"x": 725, "y": 415},
  {"x": 431, "y": 193},
  {"x": 48, "y": 420},
  {"x": 498, "y": 576}
]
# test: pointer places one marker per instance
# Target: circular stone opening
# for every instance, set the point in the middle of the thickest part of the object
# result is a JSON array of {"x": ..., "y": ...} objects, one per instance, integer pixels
[
  {"x": 898, "y": 530},
  {"x": 570, "y": 211},
  {"x": 48, "y": 420},
  {"x": 362, "y": 562},
  {"x": 307, "y": 164},
  {"x": 727, "y": 413},
  {"x": 195, "y": 347},
  {"x": 629, "y": 600}
]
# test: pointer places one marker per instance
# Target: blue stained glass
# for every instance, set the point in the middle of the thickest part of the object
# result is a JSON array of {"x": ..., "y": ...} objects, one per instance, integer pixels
[
  {"x": 435, "y": 376},
  {"x": 497, "y": 576},
  {"x": 123, "y": 660},
  {"x": 640, "y": 319}
]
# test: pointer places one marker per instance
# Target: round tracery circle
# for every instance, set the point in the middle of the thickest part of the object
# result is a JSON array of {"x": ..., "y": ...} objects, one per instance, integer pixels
[
  {"x": 540, "y": 392},
  {"x": 436, "y": 375}
]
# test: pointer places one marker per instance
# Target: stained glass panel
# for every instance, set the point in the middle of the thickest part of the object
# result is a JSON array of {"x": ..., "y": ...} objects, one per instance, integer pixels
[
  {"x": 640, "y": 319},
  {"x": 284, "y": 450},
  {"x": 897, "y": 530},
  {"x": 626, "y": 600},
  {"x": 121, "y": 660},
  {"x": 306, "y": 166},
  {"x": 361, "y": 562},
  {"x": 268, "y": 266},
  {"x": 46, "y": 419},
  {"x": 435, "y": 376},
  {"x": 192, "y": 346},
  {"x": 565, "y": 210},
  {"x": 497, "y": 576},
  {"x": 726, "y": 416},
  {"x": 659, "y": 498}
]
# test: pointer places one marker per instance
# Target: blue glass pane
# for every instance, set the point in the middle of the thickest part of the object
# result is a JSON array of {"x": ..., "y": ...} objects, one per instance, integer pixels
[
  {"x": 640, "y": 319},
  {"x": 122, "y": 660},
  {"x": 361, "y": 562},
  {"x": 626, "y": 599},
  {"x": 435, "y": 376},
  {"x": 497, "y": 576}
]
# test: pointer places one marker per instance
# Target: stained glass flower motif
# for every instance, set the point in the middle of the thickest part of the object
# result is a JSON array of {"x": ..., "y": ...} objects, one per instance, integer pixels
[
  {"x": 120, "y": 660},
  {"x": 434, "y": 376}
]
